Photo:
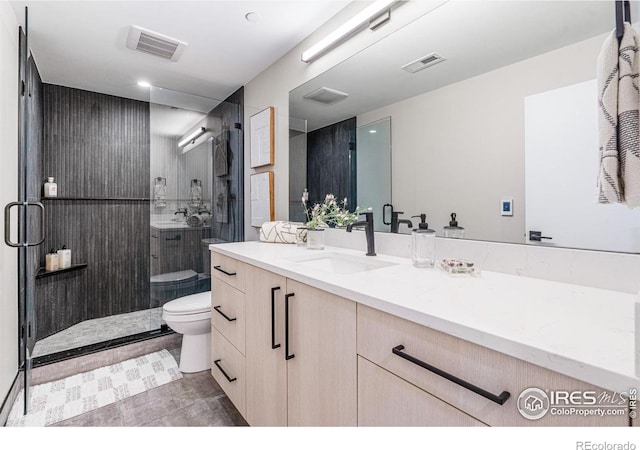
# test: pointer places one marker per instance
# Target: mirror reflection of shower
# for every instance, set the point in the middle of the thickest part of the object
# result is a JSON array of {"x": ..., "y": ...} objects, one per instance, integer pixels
[{"x": 195, "y": 149}]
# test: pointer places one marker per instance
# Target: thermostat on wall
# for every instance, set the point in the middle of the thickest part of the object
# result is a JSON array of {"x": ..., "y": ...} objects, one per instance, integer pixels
[{"x": 506, "y": 206}]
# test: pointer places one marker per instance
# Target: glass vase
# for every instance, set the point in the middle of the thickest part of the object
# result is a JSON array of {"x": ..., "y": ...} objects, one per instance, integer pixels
[{"x": 315, "y": 238}]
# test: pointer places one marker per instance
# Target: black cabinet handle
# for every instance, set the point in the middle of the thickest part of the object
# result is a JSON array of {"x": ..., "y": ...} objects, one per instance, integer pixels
[
  {"x": 286, "y": 327},
  {"x": 217, "y": 308},
  {"x": 499, "y": 399},
  {"x": 220, "y": 269},
  {"x": 273, "y": 318},
  {"x": 177, "y": 237},
  {"x": 229, "y": 379}
]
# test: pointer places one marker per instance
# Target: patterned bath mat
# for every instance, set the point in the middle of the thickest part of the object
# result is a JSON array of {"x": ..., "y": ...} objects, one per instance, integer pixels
[{"x": 59, "y": 400}]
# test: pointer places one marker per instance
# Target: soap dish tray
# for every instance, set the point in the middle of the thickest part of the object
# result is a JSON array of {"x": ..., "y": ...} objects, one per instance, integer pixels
[{"x": 458, "y": 267}]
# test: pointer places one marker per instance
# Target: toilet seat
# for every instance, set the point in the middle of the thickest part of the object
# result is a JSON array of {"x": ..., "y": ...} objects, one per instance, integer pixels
[
  {"x": 181, "y": 318},
  {"x": 189, "y": 305}
]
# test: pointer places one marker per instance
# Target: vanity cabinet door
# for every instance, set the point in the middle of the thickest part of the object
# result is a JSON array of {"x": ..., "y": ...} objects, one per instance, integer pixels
[
  {"x": 322, "y": 364},
  {"x": 385, "y": 399},
  {"x": 266, "y": 366}
]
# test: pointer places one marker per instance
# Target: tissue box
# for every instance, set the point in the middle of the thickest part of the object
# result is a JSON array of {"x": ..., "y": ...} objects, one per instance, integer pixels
[{"x": 458, "y": 267}]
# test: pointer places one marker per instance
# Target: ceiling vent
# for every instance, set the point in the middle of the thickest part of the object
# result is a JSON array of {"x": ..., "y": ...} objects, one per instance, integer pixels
[
  {"x": 422, "y": 63},
  {"x": 326, "y": 96},
  {"x": 155, "y": 43}
]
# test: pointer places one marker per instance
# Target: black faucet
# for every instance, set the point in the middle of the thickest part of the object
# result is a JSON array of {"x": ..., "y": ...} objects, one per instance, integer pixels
[
  {"x": 368, "y": 224},
  {"x": 395, "y": 222}
]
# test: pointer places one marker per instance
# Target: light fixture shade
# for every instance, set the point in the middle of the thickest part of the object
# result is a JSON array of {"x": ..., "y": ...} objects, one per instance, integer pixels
[
  {"x": 192, "y": 136},
  {"x": 364, "y": 16}
]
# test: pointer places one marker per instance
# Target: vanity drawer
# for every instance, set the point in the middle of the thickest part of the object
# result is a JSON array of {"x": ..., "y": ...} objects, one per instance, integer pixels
[
  {"x": 228, "y": 313},
  {"x": 379, "y": 333},
  {"x": 386, "y": 400},
  {"x": 228, "y": 369},
  {"x": 229, "y": 270}
]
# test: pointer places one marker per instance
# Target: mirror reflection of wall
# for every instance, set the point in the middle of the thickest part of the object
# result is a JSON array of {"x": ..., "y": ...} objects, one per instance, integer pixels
[
  {"x": 297, "y": 168},
  {"x": 458, "y": 126}
]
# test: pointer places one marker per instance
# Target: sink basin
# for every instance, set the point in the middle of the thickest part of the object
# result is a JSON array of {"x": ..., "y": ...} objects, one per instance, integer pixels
[{"x": 342, "y": 264}]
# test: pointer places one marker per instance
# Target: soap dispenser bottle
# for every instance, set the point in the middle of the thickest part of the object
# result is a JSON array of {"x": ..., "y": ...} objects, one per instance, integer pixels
[
  {"x": 51, "y": 261},
  {"x": 50, "y": 188},
  {"x": 64, "y": 258},
  {"x": 423, "y": 244},
  {"x": 453, "y": 230}
]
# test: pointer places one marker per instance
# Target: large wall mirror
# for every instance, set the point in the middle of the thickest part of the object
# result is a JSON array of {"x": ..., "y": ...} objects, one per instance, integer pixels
[{"x": 491, "y": 110}]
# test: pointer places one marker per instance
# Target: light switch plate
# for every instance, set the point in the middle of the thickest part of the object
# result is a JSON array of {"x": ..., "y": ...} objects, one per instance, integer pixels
[{"x": 506, "y": 206}]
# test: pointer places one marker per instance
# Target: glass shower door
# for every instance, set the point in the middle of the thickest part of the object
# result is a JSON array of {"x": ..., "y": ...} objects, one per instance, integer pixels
[{"x": 30, "y": 216}]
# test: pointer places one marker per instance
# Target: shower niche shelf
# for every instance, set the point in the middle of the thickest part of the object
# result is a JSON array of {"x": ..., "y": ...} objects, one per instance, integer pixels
[{"x": 42, "y": 273}]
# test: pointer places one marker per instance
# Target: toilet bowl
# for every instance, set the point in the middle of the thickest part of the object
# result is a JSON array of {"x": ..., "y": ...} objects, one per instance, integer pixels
[{"x": 191, "y": 317}]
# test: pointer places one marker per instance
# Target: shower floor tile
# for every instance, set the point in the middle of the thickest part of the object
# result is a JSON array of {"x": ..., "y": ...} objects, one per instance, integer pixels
[{"x": 99, "y": 330}]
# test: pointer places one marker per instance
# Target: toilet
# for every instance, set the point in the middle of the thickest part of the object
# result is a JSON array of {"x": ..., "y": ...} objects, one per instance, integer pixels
[{"x": 191, "y": 317}]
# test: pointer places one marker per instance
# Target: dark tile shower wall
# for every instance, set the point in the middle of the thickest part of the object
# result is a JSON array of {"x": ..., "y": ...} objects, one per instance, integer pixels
[
  {"x": 328, "y": 164},
  {"x": 97, "y": 148}
]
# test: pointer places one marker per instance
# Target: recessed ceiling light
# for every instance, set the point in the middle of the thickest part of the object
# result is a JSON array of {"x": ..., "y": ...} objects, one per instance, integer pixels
[
  {"x": 252, "y": 17},
  {"x": 144, "y": 84},
  {"x": 372, "y": 131}
]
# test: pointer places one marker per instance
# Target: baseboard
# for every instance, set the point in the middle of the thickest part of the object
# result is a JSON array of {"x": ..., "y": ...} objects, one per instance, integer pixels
[{"x": 10, "y": 399}]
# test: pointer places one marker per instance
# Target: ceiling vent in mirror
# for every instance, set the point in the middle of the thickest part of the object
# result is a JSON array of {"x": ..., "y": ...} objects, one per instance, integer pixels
[
  {"x": 326, "y": 95},
  {"x": 422, "y": 63},
  {"x": 155, "y": 43}
]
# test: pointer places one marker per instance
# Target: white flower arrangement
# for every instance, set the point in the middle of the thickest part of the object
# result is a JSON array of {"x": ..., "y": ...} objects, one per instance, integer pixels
[{"x": 330, "y": 212}]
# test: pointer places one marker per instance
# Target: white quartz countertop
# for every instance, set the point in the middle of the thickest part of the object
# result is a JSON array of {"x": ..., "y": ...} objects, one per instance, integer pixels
[{"x": 582, "y": 332}]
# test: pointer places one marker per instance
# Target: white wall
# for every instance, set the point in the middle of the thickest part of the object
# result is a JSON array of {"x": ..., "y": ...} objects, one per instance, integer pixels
[
  {"x": 272, "y": 86},
  {"x": 8, "y": 193},
  {"x": 461, "y": 148}
]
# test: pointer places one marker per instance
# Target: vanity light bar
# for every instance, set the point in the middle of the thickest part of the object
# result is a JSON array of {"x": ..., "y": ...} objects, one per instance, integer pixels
[
  {"x": 192, "y": 137},
  {"x": 364, "y": 16}
]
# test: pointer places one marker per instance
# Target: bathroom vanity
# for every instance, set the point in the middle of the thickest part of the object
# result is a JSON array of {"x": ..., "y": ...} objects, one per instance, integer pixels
[
  {"x": 335, "y": 338},
  {"x": 176, "y": 246}
]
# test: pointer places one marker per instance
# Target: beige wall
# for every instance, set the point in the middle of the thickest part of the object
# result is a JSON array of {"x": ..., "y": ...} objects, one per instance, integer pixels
[
  {"x": 8, "y": 193},
  {"x": 462, "y": 146},
  {"x": 272, "y": 86}
]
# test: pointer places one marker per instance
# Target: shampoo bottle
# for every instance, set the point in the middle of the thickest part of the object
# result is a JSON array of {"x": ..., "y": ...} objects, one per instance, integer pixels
[
  {"x": 51, "y": 261},
  {"x": 50, "y": 188},
  {"x": 64, "y": 257}
]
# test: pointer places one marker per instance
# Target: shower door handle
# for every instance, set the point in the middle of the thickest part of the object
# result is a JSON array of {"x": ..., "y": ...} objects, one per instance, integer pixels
[{"x": 7, "y": 224}]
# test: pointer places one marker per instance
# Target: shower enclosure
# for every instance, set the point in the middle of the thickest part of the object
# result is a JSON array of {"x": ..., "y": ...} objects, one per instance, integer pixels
[{"x": 140, "y": 200}]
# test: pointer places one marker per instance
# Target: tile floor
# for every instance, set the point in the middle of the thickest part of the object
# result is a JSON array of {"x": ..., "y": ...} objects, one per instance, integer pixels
[
  {"x": 194, "y": 400},
  {"x": 99, "y": 330}
]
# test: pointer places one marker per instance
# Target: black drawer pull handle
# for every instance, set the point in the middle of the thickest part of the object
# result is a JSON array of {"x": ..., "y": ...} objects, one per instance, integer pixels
[
  {"x": 217, "y": 308},
  {"x": 499, "y": 399},
  {"x": 286, "y": 327},
  {"x": 177, "y": 237},
  {"x": 229, "y": 379},
  {"x": 273, "y": 318},
  {"x": 220, "y": 269}
]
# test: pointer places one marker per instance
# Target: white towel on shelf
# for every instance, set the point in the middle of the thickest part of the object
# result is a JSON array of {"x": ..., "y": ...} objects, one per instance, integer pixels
[{"x": 619, "y": 137}]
